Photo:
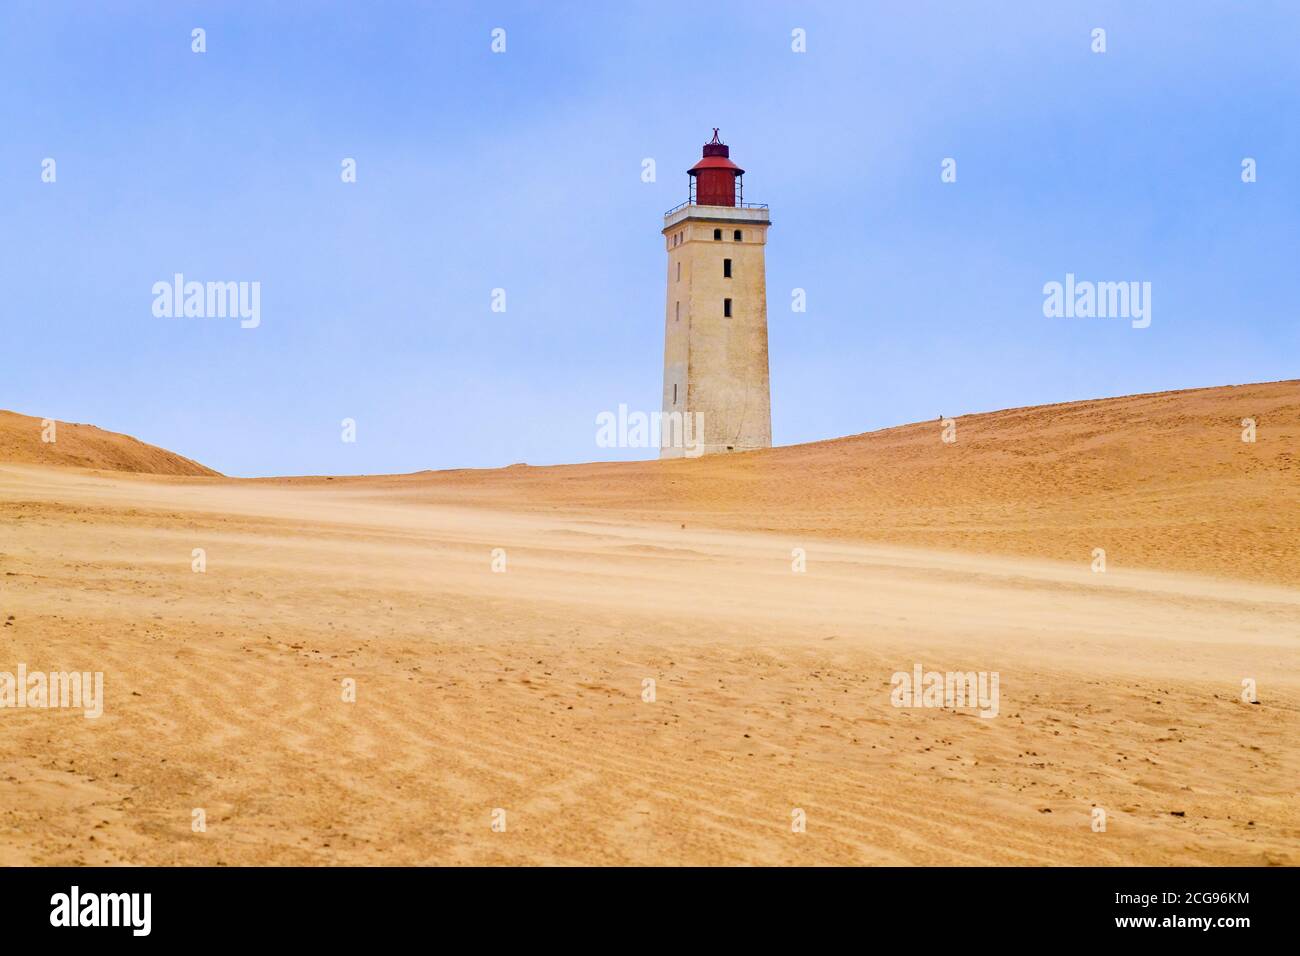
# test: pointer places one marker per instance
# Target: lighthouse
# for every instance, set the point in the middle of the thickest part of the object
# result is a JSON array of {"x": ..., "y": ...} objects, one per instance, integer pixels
[{"x": 715, "y": 328}]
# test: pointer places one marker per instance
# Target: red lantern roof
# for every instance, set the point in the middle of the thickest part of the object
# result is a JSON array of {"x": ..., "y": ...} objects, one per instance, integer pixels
[{"x": 715, "y": 156}]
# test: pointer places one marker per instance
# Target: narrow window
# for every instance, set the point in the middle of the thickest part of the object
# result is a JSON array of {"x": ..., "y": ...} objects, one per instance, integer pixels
[
  {"x": 726, "y": 268},
  {"x": 679, "y": 272},
  {"x": 736, "y": 235},
  {"x": 726, "y": 308},
  {"x": 717, "y": 233},
  {"x": 674, "y": 393},
  {"x": 677, "y": 311}
]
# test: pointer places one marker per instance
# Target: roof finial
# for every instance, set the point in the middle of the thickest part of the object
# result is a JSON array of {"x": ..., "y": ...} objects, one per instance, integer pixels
[{"x": 715, "y": 137}]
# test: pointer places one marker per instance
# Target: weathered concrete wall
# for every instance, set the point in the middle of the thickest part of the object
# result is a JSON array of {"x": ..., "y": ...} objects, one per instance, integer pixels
[{"x": 713, "y": 364}]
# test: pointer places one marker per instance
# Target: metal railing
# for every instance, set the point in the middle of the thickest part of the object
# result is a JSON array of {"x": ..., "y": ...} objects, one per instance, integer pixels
[{"x": 739, "y": 205}]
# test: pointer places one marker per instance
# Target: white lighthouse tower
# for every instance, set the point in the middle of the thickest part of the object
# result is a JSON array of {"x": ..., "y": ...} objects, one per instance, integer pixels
[{"x": 715, "y": 337}]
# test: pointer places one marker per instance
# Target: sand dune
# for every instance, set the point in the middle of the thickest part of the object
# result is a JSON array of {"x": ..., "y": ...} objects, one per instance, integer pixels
[
  {"x": 85, "y": 446},
  {"x": 1159, "y": 481},
  {"x": 523, "y": 690}
]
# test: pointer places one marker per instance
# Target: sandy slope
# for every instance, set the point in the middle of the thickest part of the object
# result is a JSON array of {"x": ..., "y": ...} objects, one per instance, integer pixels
[
  {"x": 1159, "y": 481},
  {"x": 522, "y": 690},
  {"x": 85, "y": 446}
]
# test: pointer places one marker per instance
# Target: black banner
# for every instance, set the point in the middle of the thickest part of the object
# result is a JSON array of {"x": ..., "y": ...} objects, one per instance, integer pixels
[{"x": 332, "y": 906}]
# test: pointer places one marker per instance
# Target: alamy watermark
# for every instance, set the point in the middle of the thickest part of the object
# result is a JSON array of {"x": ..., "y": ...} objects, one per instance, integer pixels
[
  {"x": 951, "y": 689},
  {"x": 40, "y": 690},
  {"x": 1098, "y": 300},
  {"x": 133, "y": 911},
  {"x": 208, "y": 300},
  {"x": 624, "y": 429}
]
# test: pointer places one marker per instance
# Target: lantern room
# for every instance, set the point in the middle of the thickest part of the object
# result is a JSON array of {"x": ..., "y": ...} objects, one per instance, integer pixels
[{"x": 715, "y": 179}]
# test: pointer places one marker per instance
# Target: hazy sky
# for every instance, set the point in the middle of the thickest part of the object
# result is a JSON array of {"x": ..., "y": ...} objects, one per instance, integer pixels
[{"x": 522, "y": 171}]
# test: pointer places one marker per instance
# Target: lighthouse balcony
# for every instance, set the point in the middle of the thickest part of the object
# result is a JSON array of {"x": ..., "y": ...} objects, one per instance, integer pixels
[{"x": 752, "y": 212}]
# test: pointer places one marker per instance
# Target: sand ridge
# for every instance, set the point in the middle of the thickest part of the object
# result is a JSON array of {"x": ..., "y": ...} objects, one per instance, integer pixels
[
  {"x": 524, "y": 689},
  {"x": 1160, "y": 481},
  {"x": 23, "y": 438}
]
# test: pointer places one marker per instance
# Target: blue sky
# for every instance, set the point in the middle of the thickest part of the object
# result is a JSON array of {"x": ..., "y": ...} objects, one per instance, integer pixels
[{"x": 522, "y": 171}]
